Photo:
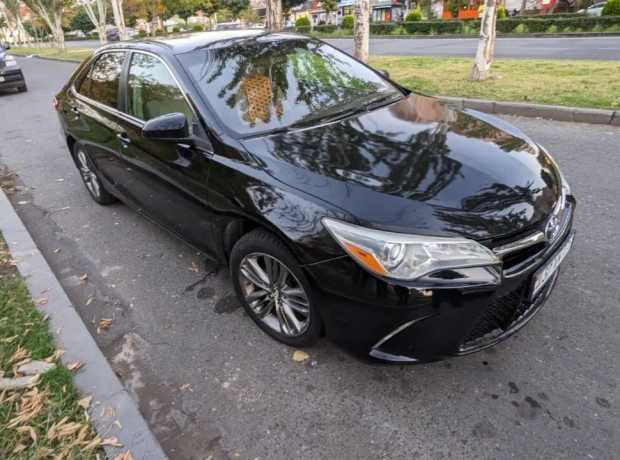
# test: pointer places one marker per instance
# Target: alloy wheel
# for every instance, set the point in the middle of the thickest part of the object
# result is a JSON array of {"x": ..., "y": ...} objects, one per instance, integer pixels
[
  {"x": 274, "y": 294},
  {"x": 88, "y": 175}
]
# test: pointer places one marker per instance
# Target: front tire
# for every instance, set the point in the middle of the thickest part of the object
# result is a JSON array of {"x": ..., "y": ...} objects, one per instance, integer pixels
[
  {"x": 90, "y": 177},
  {"x": 273, "y": 289},
  {"x": 23, "y": 88}
]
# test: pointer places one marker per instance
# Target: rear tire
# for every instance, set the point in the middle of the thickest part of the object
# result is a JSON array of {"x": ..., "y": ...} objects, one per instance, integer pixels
[
  {"x": 274, "y": 290},
  {"x": 91, "y": 178}
]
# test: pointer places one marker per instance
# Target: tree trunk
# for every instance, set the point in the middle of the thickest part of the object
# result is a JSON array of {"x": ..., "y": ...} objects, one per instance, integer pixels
[
  {"x": 98, "y": 18},
  {"x": 523, "y": 6},
  {"x": 361, "y": 30},
  {"x": 119, "y": 18},
  {"x": 274, "y": 15},
  {"x": 486, "y": 43}
]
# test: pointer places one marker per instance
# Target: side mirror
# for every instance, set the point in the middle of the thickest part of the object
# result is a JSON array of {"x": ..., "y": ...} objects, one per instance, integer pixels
[
  {"x": 172, "y": 126},
  {"x": 384, "y": 73}
]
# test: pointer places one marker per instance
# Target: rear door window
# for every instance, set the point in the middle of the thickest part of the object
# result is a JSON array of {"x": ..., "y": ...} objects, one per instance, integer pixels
[{"x": 102, "y": 82}]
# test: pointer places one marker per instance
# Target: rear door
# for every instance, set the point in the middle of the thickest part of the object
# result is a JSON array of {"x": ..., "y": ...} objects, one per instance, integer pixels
[
  {"x": 168, "y": 178},
  {"x": 94, "y": 115}
]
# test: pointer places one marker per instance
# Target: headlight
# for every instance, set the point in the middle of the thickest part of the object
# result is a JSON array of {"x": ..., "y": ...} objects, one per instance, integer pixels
[{"x": 407, "y": 257}]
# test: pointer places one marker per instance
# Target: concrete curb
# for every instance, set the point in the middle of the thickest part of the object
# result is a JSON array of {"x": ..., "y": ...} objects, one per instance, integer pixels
[
  {"x": 551, "y": 112},
  {"x": 111, "y": 402}
]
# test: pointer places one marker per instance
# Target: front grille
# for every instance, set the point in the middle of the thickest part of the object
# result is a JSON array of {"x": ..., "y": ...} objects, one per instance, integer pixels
[
  {"x": 502, "y": 313},
  {"x": 514, "y": 258}
]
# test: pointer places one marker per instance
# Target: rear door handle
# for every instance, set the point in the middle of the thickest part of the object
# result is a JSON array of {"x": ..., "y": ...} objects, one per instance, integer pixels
[{"x": 124, "y": 138}]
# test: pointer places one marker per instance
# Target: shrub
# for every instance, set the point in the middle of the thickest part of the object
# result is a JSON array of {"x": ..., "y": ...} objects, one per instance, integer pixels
[
  {"x": 176, "y": 29},
  {"x": 197, "y": 28},
  {"x": 552, "y": 29},
  {"x": 347, "y": 22},
  {"x": 326, "y": 29},
  {"x": 382, "y": 28},
  {"x": 302, "y": 22},
  {"x": 521, "y": 29},
  {"x": 414, "y": 15},
  {"x": 611, "y": 8},
  {"x": 142, "y": 33},
  {"x": 501, "y": 13}
]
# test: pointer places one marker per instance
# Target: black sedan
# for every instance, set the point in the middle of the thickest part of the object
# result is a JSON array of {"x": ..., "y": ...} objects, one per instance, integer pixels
[
  {"x": 11, "y": 76},
  {"x": 342, "y": 203}
]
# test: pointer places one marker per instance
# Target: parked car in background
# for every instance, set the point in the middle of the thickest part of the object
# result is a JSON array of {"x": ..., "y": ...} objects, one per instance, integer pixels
[
  {"x": 342, "y": 203},
  {"x": 594, "y": 10},
  {"x": 11, "y": 76}
]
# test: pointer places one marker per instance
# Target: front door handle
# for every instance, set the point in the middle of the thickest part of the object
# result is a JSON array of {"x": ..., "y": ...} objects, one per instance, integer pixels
[{"x": 124, "y": 138}]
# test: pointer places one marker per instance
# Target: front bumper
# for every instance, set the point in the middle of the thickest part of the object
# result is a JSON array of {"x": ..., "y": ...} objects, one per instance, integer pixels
[{"x": 384, "y": 321}]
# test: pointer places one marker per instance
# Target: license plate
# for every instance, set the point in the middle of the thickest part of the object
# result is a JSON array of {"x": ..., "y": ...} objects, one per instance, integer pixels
[{"x": 546, "y": 272}]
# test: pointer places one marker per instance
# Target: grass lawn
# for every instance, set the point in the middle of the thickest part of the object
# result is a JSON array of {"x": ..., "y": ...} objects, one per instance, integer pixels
[
  {"x": 592, "y": 84},
  {"x": 69, "y": 53},
  {"x": 43, "y": 421}
]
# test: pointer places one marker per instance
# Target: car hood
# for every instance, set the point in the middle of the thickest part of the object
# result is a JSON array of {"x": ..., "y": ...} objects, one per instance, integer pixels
[{"x": 418, "y": 166}]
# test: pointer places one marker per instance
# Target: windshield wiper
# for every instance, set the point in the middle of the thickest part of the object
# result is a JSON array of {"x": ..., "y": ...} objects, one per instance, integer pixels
[{"x": 338, "y": 113}]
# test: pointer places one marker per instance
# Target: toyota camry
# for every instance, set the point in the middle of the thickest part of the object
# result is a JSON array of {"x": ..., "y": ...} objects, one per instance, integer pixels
[{"x": 342, "y": 203}]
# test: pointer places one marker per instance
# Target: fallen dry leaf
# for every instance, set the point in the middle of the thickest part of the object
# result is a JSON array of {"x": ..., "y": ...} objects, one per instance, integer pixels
[
  {"x": 186, "y": 386},
  {"x": 104, "y": 325},
  {"x": 19, "y": 447},
  {"x": 9, "y": 339},
  {"x": 194, "y": 268},
  {"x": 84, "y": 277},
  {"x": 89, "y": 301},
  {"x": 56, "y": 251},
  {"x": 55, "y": 356},
  {"x": 19, "y": 355},
  {"x": 124, "y": 456},
  {"x": 28, "y": 429},
  {"x": 75, "y": 366},
  {"x": 111, "y": 442},
  {"x": 41, "y": 301},
  {"x": 300, "y": 356},
  {"x": 85, "y": 402}
]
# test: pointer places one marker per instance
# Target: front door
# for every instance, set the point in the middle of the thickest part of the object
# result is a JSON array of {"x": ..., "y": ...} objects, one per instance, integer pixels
[{"x": 168, "y": 178}]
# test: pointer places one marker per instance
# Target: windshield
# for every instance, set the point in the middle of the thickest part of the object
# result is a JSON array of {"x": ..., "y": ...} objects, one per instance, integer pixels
[{"x": 273, "y": 82}]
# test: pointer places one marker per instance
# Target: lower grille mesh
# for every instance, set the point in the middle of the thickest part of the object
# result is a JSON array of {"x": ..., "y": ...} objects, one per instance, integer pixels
[{"x": 501, "y": 314}]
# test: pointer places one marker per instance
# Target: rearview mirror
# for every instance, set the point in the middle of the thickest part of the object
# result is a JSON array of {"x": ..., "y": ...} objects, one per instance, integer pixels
[{"x": 171, "y": 126}]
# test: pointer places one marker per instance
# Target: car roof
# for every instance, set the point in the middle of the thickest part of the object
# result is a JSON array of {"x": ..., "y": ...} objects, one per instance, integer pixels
[{"x": 187, "y": 42}]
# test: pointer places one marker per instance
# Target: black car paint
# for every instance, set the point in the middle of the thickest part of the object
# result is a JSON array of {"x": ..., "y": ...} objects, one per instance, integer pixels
[{"x": 415, "y": 166}]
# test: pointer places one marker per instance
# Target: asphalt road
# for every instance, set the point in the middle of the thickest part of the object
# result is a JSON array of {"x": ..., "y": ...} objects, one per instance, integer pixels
[
  {"x": 599, "y": 48},
  {"x": 212, "y": 385}
]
